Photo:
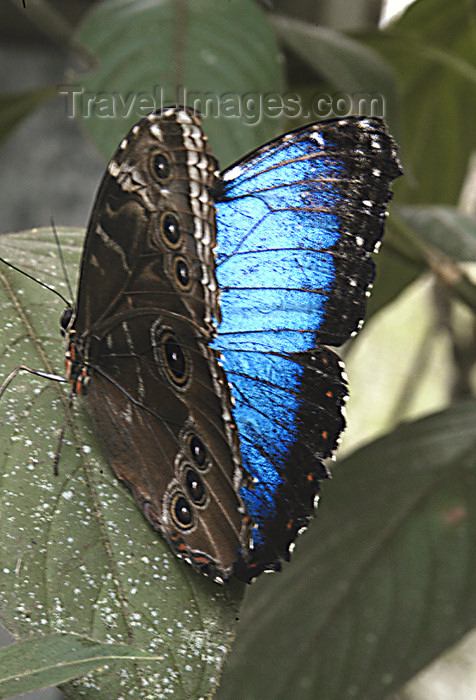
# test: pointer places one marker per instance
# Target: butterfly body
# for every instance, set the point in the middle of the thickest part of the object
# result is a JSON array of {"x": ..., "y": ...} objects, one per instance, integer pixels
[{"x": 219, "y": 425}]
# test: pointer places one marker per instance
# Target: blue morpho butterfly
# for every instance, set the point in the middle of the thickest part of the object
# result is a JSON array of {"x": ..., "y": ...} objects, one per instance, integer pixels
[{"x": 209, "y": 381}]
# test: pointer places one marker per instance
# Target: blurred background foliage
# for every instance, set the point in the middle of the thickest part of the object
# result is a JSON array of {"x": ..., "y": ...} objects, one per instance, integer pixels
[{"x": 382, "y": 583}]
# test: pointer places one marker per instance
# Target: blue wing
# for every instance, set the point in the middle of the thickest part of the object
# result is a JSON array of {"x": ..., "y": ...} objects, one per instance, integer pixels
[{"x": 297, "y": 222}]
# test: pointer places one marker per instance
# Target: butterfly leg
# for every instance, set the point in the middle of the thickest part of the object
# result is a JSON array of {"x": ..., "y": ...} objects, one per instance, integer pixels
[{"x": 24, "y": 368}]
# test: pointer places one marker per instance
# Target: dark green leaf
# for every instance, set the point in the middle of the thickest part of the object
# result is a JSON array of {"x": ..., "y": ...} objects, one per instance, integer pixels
[
  {"x": 56, "y": 658},
  {"x": 412, "y": 235},
  {"x": 343, "y": 62},
  {"x": 398, "y": 264},
  {"x": 225, "y": 51},
  {"x": 445, "y": 228},
  {"x": 76, "y": 554},
  {"x": 427, "y": 237},
  {"x": 382, "y": 581},
  {"x": 431, "y": 48}
]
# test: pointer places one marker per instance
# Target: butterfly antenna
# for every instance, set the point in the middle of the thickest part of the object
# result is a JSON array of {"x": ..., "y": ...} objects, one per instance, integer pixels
[
  {"x": 42, "y": 284},
  {"x": 63, "y": 265},
  {"x": 37, "y": 372}
]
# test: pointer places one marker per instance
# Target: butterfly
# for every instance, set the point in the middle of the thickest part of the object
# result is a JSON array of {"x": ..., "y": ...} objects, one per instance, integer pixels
[{"x": 204, "y": 309}]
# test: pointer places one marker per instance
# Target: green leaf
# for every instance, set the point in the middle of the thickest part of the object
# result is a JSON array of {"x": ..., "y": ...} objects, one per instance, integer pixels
[
  {"x": 76, "y": 554},
  {"x": 435, "y": 237},
  {"x": 225, "y": 51},
  {"x": 383, "y": 580},
  {"x": 57, "y": 658},
  {"x": 17, "y": 106},
  {"x": 343, "y": 62},
  {"x": 445, "y": 228},
  {"x": 414, "y": 234},
  {"x": 404, "y": 362},
  {"x": 398, "y": 264},
  {"x": 431, "y": 48}
]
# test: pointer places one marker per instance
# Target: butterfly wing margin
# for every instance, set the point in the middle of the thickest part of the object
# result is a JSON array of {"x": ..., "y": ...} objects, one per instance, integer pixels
[
  {"x": 290, "y": 410},
  {"x": 177, "y": 461},
  {"x": 154, "y": 183},
  {"x": 138, "y": 344},
  {"x": 297, "y": 222}
]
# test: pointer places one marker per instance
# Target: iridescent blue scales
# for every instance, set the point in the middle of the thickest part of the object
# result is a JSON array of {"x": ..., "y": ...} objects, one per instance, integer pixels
[
  {"x": 297, "y": 222},
  {"x": 220, "y": 429}
]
